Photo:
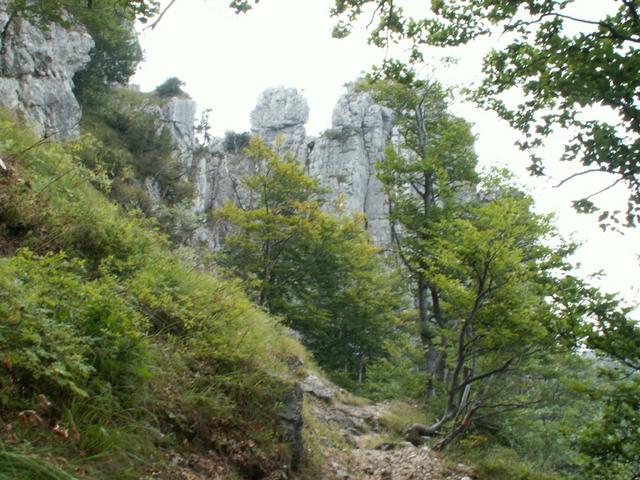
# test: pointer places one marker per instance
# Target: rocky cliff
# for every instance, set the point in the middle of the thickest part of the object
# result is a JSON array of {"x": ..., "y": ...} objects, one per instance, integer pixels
[
  {"x": 37, "y": 66},
  {"x": 342, "y": 158}
]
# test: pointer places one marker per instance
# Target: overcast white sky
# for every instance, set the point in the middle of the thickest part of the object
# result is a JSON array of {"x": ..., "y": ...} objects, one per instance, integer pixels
[{"x": 227, "y": 60}]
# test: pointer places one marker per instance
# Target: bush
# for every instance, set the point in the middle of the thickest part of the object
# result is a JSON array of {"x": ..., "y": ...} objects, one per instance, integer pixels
[
  {"x": 235, "y": 142},
  {"x": 136, "y": 347},
  {"x": 170, "y": 88},
  {"x": 504, "y": 464},
  {"x": 63, "y": 335},
  {"x": 116, "y": 53}
]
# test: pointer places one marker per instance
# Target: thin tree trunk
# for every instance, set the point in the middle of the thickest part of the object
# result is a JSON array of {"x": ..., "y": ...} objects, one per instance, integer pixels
[{"x": 427, "y": 338}]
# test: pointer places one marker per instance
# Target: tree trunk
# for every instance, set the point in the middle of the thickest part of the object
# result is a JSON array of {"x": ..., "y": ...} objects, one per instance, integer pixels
[
  {"x": 458, "y": 429},
  {"x": 427, "y": 339}
]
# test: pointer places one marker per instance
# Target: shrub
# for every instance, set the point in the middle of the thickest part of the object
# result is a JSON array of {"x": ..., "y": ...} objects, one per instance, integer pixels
[
  {"x": 235, "y": 142},
  {"x": 170, "y": 88},
  {"x": 134, "y": 344},
  {"x": 63, "y": 335}
]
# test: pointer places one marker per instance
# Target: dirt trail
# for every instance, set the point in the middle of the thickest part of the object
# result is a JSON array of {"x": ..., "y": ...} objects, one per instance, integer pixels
[{"x": 356, "y": 445}]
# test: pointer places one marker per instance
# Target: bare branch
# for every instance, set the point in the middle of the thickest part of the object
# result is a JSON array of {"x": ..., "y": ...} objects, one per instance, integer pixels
[
  {"x": 584, "y": 172},
  {"x": 375, "y": 13},
  {"x": 612, "y": 30},
  {"x": 162, "y": 14},
  {"x": 490, "y": 373},
  {"x": 604, "y": 189}
]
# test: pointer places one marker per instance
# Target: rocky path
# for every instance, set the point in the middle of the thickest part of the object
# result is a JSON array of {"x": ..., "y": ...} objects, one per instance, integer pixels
[{"x": 359, "y": 447}]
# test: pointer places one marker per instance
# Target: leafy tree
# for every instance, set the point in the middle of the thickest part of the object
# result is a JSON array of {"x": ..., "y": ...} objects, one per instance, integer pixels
[
  {"x": 45, "y": 11},
  {"x": 423, "y": 176},
  {"x": 609, "y": 444},
  {"x": 235, "y": 142},
  {"x": 561, "y": 60},
  {"x": 170, "y": 88},
  {"x": 317, "y": 271},
  {"x": 492, "y": 271}
]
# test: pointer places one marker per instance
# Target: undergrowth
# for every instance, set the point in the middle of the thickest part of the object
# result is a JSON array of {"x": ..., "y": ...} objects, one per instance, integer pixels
[{"x": 118, "y": 349}]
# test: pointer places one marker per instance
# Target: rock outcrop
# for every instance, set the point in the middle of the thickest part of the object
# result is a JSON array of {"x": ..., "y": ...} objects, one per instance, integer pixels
[
  {"x": 179, "y": 115},
  {"x": 282, "y": 113},
  {"x": 343, "y": 158},
  {"x": 37, "y": 67}
]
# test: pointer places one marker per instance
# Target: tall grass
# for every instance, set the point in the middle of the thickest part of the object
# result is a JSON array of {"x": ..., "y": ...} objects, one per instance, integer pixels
[{"x": 16, "y": 466}]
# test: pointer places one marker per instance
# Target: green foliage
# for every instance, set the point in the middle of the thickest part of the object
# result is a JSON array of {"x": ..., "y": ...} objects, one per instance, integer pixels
[
  {"x": 55, "y": 10},
  {"x": 236, "y": 142},
  {"x": 133, "y": 136},
  {"x": 505, "y": 464},
  {"x": 15, "y": 466},
  {"x": 170, "y": 88},
  {"x": 562, "y": 62},
  {"x": 109, "y": 22},
  {"x": 126, "y": 142},
  {"x": 425, "y": 176},
  {"x": 492, "y": 272},
  {"x": 400, "y": 374},
  {"x": 317, "y": 271},
  {"x": 610, "y": 444},
  {"x": 398, "y": 414},
  {"x": 133, "y": 345},
  {"x": 61, "y": 331},
  {"x": 116, "y": 53}
]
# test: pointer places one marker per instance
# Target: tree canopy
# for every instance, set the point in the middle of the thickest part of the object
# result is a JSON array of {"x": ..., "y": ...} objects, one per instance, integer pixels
[
  {"x": 319, "y": 272},
  {"x": 561, "y": 60},
  {"x": 423, "y": 174}
]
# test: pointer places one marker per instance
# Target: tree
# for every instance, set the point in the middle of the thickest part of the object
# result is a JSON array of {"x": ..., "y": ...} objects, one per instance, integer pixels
[
  {"x": 558, "y": 57},
  {"x": 45, "y": 11},
  {"x": 171, "y": 87},
  {"x": 609, "y": 443},
  {"x": 493, "y": 272},
  {"x": 317, "y": 271},
  {"x": 423, "y": 176}
]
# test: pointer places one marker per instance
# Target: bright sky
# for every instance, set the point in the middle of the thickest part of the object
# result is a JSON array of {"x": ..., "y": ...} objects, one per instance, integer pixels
[{"x": 226, "y": 61}]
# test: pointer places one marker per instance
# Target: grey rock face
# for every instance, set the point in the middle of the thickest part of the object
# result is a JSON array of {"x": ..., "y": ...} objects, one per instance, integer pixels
[
  {"x": 291, "y": 424},
  {"x": 282, "y": 112},
  {"x": 179, "y": 114},
  {"x": 313, "y": 385},
  {"x": 36, "y": 72},
  {"x": 344, "y": 159}
]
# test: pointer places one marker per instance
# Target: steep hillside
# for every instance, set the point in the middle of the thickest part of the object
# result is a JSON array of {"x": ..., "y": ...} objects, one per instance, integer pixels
[
  {"x": 177, "y": 306},
  {"x": 124, "y": 357},
  {"x": 117, "y": 348}
]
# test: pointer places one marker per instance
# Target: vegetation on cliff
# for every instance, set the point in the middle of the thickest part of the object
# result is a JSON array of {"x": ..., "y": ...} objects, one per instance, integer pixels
[
  {"x": 116, "y": 346},
  {"x": 124, "y": 352}
]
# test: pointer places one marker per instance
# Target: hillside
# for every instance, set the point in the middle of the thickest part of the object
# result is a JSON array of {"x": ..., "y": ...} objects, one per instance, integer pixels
[{"x": 361, "y": 304}]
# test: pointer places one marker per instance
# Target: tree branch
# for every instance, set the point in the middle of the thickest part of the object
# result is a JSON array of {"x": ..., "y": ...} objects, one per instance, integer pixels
[
  {"x": 162, "y": 14},
  {"x": 584, "y": 172},
  {"x": 604, "y": 189},
  {"x": 490, "y": 373}
]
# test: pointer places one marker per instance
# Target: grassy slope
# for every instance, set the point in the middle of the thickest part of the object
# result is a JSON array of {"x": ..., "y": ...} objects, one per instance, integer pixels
[{"x": 117, "y": 352}]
